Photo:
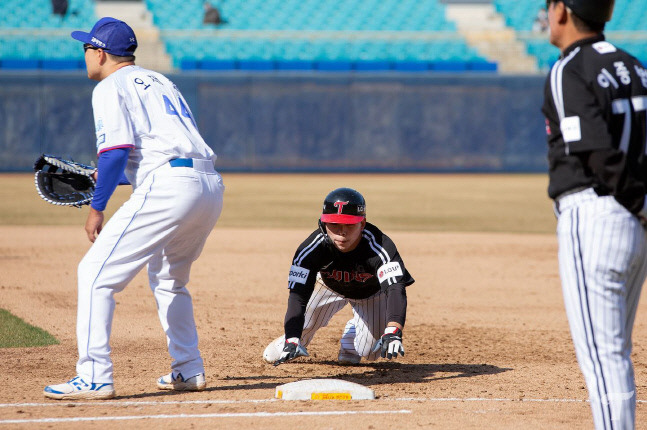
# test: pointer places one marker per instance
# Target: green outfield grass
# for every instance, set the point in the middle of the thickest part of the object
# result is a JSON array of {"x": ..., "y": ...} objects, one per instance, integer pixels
[
  {"x": 514, "y": 203},
  {"x": 15, "y": 333}
]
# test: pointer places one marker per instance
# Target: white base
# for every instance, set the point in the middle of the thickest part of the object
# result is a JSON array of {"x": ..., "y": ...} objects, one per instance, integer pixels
[{"x": 323, "y": 389}]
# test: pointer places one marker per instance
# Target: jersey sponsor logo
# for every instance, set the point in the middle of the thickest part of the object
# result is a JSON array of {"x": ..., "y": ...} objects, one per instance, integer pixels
[
  {"x": 96, "y": 41},
  {"x": 298, "y": 274},
  {"x": 389, "y": 270},
  {"x": 571, "y": 130},
  {"x": 101, "y": 139},
  {"x": 604, "y": 47},
  {"x": 344, "y": 276}
]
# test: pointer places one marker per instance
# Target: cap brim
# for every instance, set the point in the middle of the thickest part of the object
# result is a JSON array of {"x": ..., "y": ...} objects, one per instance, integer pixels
[
  {"x": 341, "y": 218},
  {"x": 82, "y": 36}
]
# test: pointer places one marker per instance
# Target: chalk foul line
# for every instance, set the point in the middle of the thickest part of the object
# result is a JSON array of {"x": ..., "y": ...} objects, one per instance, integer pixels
[{"x": 193, "y": 416}]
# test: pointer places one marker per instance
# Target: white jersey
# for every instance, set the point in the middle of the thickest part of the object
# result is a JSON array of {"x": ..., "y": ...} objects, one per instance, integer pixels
[{"x": 143, "y": 110}]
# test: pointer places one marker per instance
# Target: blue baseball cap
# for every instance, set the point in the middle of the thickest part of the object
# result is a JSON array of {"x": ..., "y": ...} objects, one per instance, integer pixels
[{"x": 110, "y": 34}]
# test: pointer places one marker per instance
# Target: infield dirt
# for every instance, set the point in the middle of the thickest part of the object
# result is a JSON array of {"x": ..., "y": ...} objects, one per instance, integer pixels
[{"x": 487, "y": 342}]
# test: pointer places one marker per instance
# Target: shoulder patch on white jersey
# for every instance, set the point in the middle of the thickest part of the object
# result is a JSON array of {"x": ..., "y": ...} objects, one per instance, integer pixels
[
  {"x": 389, "y": 270},
  {"x": 604, "y": 47},
  {"x": 298, "y": 274},
  {"x": 571, "y": 130}
]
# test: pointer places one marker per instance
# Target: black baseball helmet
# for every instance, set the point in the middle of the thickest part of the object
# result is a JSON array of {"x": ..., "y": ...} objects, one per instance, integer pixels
[
  {"x": 343, "y": 206},
  {"x": 597, "y": 11}
]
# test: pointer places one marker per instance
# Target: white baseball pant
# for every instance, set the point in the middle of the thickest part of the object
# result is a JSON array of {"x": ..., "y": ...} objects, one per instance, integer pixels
[{"x": 164, "y": 224}]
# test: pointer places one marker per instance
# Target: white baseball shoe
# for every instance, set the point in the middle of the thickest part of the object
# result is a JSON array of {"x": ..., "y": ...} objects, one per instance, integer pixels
[
  {"x": 178, "y": 383},
  {"x": 274, "y": 349},
  {"x": 77, "y": 388}
]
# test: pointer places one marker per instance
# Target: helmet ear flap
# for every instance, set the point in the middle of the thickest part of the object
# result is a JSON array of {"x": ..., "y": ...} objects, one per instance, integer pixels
[{"x": 322, "y": 228}]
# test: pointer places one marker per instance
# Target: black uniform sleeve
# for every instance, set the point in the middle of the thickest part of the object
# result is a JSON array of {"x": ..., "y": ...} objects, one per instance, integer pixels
[
  {"x": 391, "y": 273},
  {"x": 396, "y": 304},
  {"x": 583, "y": 126},
  {"x": 389, "y": 267},
  {"x": 295, "y": 315},
  {"x": 303, "y": 273}
]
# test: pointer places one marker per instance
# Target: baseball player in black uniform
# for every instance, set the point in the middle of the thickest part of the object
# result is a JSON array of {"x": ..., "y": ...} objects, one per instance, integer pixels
[
  {"x": 595, "y": 108},
  {"x": 346, "y": 260}
]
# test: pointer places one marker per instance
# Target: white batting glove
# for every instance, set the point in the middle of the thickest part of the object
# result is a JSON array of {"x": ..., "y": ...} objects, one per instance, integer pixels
[
  {"x": 291, "y": 350},
  {"x": 390, "y": 344}
]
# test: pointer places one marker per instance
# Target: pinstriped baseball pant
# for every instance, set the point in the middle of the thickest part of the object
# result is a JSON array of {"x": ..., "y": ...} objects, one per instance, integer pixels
[
  {"x": 603, "y": 264},
  {"x": 369, "y": 319}
]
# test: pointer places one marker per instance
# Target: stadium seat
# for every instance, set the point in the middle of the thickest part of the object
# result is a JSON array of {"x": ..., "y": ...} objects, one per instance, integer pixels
[{"x": 284, "y": 34}]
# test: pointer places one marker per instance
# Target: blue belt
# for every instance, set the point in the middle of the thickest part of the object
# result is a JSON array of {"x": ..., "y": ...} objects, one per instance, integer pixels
[{"x": 181, "y": 162}]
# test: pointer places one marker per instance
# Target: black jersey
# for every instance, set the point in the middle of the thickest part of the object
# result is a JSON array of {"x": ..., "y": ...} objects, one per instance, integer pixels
[
  {"x": 373, "y": 265},
  {"x": 595, "y": 106}
]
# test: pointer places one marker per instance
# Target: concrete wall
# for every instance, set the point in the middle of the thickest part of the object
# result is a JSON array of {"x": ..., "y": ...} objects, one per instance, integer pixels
[{"x": 306, "y": 122}]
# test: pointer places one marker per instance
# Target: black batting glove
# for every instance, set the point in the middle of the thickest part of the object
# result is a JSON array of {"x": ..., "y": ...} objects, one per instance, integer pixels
[
  {"x": 291, "y": 350},
  {"x": 390, "y": 344}
]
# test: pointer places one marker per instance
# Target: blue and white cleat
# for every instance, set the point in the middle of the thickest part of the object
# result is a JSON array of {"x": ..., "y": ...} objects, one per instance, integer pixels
[
  {"x": 178, "y": 383},
  {"x": 77, "y": 388}
]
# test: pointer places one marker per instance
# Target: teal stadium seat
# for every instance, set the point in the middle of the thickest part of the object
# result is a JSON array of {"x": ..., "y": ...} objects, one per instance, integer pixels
[
  {"x": 29, "y": 31},
  {"x": 376, "y": 32},
  {"x": 627, "y": 29}
]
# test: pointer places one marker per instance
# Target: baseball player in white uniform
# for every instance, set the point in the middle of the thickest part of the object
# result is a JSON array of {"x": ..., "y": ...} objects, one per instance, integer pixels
[{"x": 146, "y": 136}]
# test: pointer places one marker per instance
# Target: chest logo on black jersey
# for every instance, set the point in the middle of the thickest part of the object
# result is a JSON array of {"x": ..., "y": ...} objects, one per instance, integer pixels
[{"x": 343, "y": 276}]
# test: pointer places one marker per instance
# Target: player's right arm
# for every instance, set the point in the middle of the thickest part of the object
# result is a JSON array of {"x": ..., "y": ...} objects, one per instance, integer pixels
[
  {"x": 114, "y": 141},
  {"x": 301, "y": 280},
  {"x": 109, "y": 174}
]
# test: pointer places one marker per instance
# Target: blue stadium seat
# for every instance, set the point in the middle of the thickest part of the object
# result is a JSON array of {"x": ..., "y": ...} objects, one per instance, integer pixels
[
  {"x": 628, "y": 17},
  {"x": 319, "y": 40},
  {"x": 39, "y": 39},
  {"x": 332, "y": 35}
]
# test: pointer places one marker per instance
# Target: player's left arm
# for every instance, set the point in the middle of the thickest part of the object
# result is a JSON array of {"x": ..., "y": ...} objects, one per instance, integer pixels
[
  {"x": 390, "y": 344},
  {"x": 393, "y": 278}
]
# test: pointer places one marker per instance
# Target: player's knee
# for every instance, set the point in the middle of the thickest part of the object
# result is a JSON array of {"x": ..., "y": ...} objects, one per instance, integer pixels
[{"x": 85, "y": 271}]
